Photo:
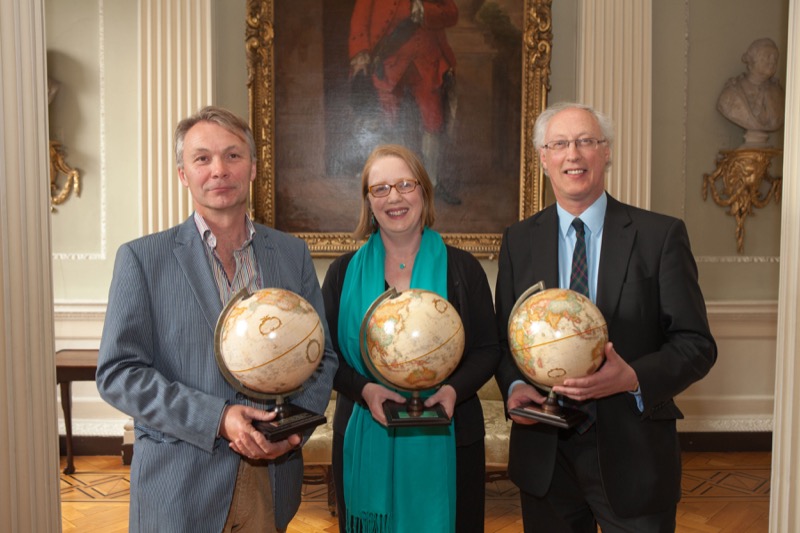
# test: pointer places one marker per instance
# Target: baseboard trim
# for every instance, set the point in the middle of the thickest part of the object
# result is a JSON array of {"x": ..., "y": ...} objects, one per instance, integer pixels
[
  {"x": 91, "y": 445},
  {"x": 726, "y": 441},
  {"x": 690, "y": 442}
]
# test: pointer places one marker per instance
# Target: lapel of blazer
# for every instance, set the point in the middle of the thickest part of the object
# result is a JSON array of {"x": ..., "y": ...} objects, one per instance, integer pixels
[
  {"x": 267, "y": 257},
  {"x": 193, "y": 262},
  {"x": 544, "y": 251},
  {"x": 619, "y": 235}
]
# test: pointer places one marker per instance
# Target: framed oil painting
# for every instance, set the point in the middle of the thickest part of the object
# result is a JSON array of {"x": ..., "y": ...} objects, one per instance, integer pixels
[{"x": 463, "y": 94}]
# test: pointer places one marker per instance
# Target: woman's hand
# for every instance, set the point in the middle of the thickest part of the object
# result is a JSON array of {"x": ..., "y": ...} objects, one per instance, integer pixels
[
  {"x": 374, "y": 395},
  {"x": 446, "y": 397}
]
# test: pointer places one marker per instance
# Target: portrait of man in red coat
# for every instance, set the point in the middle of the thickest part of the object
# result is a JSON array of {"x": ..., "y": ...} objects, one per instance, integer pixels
[
  {"x": 441, "y": 77},
  {"x": 401, "y": 46}
]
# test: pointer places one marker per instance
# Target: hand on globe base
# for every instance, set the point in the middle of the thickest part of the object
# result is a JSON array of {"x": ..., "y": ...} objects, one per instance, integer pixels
[
  {"x": 524, "y": 394},
  {"x": 374, "y": 395},
  {"x": 614, "y": 376},
  {"x": 446, "y": 397},
  {"x": 237, "y": 427}
]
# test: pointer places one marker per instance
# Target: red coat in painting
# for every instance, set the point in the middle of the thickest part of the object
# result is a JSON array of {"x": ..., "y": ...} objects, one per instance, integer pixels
[{"x": 405, "y": 54}]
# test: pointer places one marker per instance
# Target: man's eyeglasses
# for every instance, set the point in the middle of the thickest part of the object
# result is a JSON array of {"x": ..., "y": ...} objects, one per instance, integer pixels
[
  {"x": 586, "y": 143},
  {"x": 383, "y": 189}
]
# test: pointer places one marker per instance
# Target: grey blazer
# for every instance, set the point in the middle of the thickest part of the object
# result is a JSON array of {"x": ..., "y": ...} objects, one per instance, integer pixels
[{"x": 157, "y": 365}]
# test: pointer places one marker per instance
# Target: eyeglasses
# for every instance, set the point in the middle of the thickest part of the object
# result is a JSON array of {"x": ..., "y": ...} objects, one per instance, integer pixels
[
  {"x": 587, "y": 143},
  {"x": 383, "y": 189}
]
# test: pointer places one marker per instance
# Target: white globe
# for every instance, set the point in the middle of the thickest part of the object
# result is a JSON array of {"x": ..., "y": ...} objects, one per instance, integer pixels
[{"x": 270, "y": 341}]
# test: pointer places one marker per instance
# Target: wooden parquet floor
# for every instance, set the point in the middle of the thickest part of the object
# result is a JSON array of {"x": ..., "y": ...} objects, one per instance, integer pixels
[{"x": 722, "y": 493}]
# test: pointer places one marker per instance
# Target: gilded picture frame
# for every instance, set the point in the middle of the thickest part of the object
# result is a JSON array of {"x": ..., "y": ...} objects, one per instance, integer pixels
[{"x": 285, "y": 142}]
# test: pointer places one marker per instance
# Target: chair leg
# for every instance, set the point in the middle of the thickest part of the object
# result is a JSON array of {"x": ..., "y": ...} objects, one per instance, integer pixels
[
  {"x": 66, "y": 405},
  {"x": 331, "y": 490}
]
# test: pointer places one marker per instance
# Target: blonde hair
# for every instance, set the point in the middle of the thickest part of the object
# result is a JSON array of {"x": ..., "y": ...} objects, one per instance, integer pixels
[{"x": 367, "y": 225}]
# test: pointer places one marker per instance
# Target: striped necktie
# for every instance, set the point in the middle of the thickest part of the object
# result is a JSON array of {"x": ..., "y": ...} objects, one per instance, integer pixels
[
  {"x": 579, "y": 282},
  {"x": 579, "y": 276}
]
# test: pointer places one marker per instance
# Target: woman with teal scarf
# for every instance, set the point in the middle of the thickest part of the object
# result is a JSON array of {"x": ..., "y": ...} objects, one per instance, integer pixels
[{"x": 407, "y": 479}]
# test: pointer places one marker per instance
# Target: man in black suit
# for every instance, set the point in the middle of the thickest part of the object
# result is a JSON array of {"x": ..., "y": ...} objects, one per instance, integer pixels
[{"x": 624, "y": 471}]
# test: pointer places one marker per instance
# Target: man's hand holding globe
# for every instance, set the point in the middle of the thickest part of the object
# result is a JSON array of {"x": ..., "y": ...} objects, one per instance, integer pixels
[
  {"x": 237, "y": 428},
  {"x": 613, "y": 377},
  {"x": 557, "y": 337}
]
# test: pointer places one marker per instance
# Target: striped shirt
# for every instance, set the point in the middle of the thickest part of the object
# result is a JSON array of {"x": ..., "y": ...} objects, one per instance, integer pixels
[{"x": 247, "y": 275}]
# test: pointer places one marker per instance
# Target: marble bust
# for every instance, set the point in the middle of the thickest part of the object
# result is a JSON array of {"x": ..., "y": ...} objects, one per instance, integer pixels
[
  {"x": 754, "y": 99},
  {"x": 52, "y": 89}
]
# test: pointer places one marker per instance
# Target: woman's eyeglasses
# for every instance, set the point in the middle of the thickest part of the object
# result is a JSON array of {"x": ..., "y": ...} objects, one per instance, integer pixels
[{"x": 383, "y": 189}]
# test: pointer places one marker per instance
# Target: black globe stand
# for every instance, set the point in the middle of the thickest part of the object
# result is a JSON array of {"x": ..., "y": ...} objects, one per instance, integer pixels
[
  {"x": 415, "y": 406},
  {"x": 289, "y": 420},
  {"x": 551, "y": 412},
  {"x": 414, "y": 413}
]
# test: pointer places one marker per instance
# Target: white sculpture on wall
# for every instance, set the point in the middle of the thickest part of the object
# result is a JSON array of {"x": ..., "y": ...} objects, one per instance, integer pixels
[{"x": 754, "y": 99}]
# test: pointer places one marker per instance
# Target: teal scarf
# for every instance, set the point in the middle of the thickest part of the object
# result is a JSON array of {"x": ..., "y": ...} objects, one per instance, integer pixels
[{"x": 395, "y": 479}]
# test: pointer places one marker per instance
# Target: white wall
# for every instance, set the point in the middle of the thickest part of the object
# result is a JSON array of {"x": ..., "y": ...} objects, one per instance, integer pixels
[{"x": 93, "y": 53}]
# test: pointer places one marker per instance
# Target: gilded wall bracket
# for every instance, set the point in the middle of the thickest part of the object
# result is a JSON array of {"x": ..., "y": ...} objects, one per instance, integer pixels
[
  {"x": 64, "y": 180},
  {"x": 741, "y": 182}
]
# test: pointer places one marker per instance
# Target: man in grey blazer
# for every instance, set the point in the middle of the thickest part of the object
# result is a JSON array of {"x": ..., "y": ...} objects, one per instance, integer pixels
[
  {"x": 198, "y": 463},
  {"x": 624, "y": 470}
]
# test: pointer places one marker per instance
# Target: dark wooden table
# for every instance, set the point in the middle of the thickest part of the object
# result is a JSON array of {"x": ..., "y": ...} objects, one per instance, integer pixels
[{"x": 73, "y": 365}]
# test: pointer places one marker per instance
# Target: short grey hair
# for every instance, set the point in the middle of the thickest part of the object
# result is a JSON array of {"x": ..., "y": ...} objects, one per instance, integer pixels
[
  {"x": 543, "y": 121},
  {"x": 219, "y": 116}
]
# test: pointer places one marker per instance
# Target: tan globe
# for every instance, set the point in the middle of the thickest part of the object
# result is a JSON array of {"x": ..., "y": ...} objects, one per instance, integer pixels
[
  {"x": 413, "y": 340},
  {"x": 556, "y": 334},
  {"x": 270, "y": 341}
]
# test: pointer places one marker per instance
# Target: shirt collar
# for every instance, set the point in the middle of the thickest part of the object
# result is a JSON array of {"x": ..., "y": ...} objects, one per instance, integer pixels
[
  {"x": 593, "y": 217},
  {"x": 208, "y": 236}
]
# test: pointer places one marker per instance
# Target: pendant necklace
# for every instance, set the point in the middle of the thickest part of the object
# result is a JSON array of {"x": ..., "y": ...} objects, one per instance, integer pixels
[{"x": 403, "y": 264}]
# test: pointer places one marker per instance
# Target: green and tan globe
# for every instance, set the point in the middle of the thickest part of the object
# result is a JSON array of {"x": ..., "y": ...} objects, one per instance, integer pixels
[
  {"x": 556, "y": 334},
  {"x": 413, "y": 340},
  {"x": 270, "y": 341}
]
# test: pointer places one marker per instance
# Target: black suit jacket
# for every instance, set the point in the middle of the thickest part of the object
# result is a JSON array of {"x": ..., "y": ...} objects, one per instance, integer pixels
[{"x": 647, "y": 290}]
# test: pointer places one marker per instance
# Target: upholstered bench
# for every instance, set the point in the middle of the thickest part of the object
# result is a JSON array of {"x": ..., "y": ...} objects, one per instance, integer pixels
[
  {"x": 318, "y": 450},
  {"x": 498, "y": 431},
  {"x": 317, "y": 454}
]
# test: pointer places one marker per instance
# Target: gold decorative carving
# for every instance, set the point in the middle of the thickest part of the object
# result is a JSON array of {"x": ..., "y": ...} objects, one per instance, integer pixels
[
  {"x": 61, "y": 189},
  {"x": 741, "y": 182},
  {"x": 536, "y": 54},
  {"x": 259, "y": 36}
]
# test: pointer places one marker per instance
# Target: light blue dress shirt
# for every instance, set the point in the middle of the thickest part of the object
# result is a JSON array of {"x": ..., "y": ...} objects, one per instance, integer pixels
[{"x": 593, "y": 219}]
